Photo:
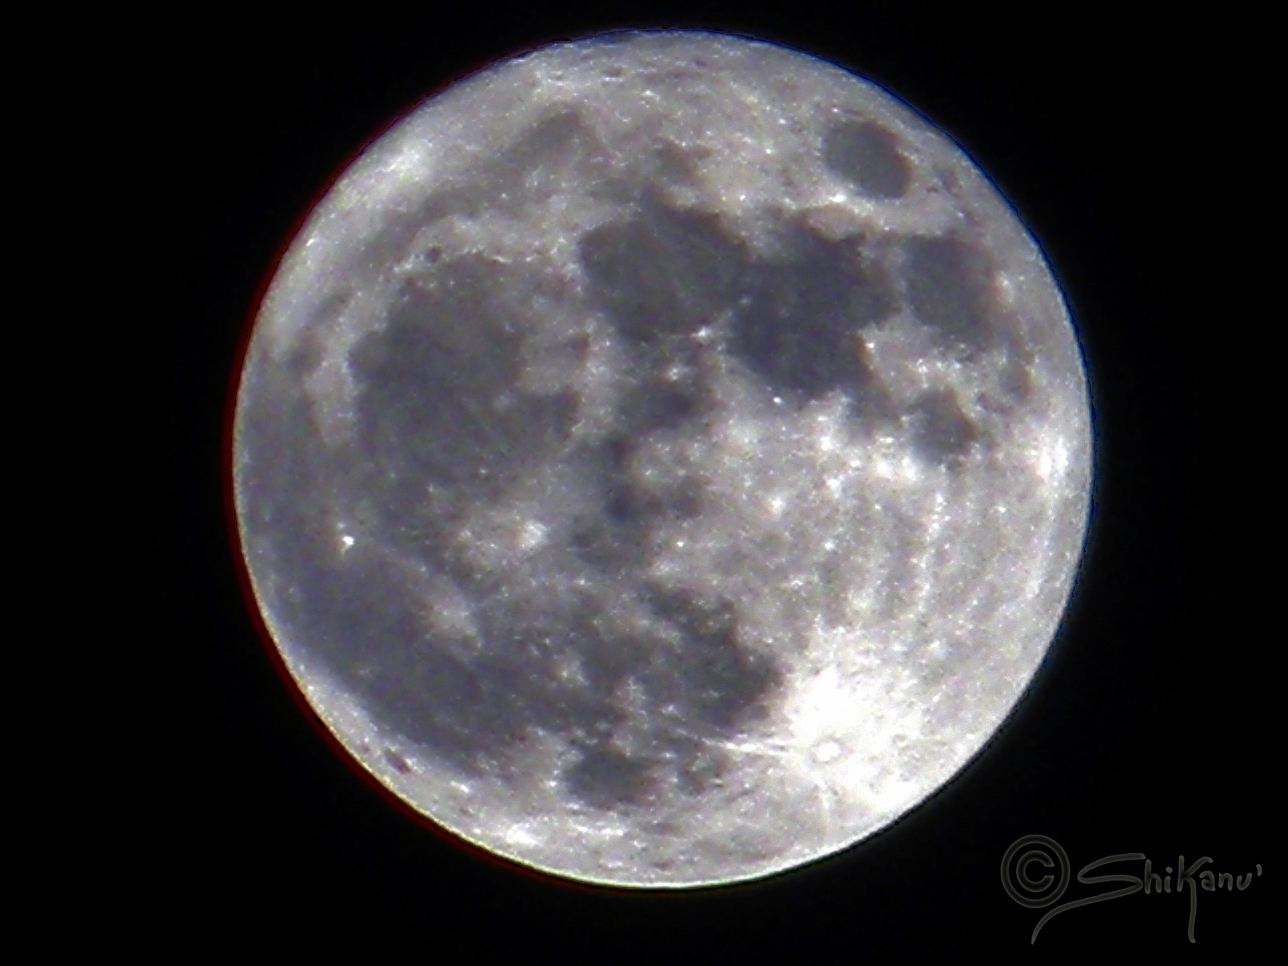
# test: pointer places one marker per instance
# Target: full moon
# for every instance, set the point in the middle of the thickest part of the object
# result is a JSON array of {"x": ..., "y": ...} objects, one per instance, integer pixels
[{"x": 662, "y": 459}]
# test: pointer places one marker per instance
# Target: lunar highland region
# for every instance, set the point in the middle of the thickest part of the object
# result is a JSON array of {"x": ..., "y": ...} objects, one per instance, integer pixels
[{"x": 662, "y": 459}]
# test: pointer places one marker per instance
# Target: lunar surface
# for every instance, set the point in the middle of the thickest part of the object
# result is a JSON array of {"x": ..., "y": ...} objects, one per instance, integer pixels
[{"x": 662, "y": 459}]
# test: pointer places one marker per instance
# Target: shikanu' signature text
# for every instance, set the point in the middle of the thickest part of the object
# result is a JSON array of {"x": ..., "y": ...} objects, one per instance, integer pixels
[{"x": 1038, "y": 892}]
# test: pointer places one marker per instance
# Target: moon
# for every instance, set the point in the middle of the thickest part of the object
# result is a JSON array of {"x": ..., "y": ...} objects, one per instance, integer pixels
[{"x": 662, "y": 459}]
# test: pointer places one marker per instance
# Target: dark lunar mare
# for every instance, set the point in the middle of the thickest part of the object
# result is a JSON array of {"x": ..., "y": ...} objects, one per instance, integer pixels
[
  {"x": 947, "y": 282},
  {"x": 800, "y": 323},
  {"x": 941, "y": 431},
  {"x": 662, "y": 271},
  {"x": 439, "y": 426},
  {"x": 867, "y": 156}
]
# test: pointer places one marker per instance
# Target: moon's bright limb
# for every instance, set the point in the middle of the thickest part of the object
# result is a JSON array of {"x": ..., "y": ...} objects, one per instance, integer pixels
[{"x": 662, "y": 459}]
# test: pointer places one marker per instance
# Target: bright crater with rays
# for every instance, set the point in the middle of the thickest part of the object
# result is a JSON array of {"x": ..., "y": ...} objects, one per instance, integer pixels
[{"x": 663, "y": 459}]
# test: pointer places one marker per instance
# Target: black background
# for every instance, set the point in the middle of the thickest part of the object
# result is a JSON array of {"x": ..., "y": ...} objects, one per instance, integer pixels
[{"x": 1148, "y": 729}]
